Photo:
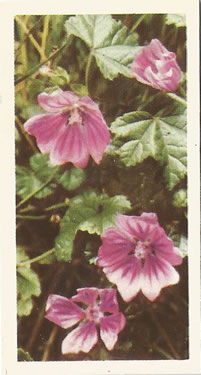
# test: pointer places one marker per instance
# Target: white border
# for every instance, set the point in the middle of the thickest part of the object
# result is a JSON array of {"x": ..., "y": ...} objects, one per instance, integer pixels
[{"x": 7, "y": 159}]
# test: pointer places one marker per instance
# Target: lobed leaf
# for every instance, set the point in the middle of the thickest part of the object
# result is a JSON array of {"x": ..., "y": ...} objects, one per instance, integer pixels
[
  {"x": 28, "y": 285},
  {"x": 137, "y": 136},
  {"x": 108, "y": 40},
  {"x": 88, "y": 212},
  {"x": 30, "y": 179},
  {"x": 72, "y": 178}
]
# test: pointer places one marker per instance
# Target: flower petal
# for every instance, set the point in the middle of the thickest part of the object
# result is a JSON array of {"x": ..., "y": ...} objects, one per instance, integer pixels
[
  {"x": 87, "y": 296},
  {"x": 108, "y": 301},
  {"x": 110, "y": 326},
  {"x": 97, "y": 135},
  {"x": 46, "y": 128},
  {"x": 62, "y": 311},
  {"x": 57, "y": 102},
  {"x": 83, "y": 338},
  {"x": 115, "y": 247},
  {"x": 157, "y": 273},
  {"x": 155, "y": 66},
  {"x": 127, "y": 276},
  {"x": 71, "y": 147}
]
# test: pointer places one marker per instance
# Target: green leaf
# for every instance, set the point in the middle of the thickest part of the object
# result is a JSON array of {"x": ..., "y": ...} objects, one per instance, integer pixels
[
  {"x": 79, "y": 89},
  {"x": 178, "y": 19},
  {"x": 29, "y": 180},
  {"x": 28, "y": 284},
  {"x": 72, "y": 178},
  {"x": 23, "y": 356},
  {"x": 88, "y": 212},
  {"x": 108, "y": 40},
  {"x": 180, "y": 198},
  {"x": 137, "y": 136}
]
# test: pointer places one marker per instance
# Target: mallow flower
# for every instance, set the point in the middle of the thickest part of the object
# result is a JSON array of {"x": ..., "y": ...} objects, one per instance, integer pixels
[
  {"x": 137, "y": 255},
  {"x": 72, "y": 129},
  {"x": 89, "y": 308},
  {"x": 155, "y": 66}
]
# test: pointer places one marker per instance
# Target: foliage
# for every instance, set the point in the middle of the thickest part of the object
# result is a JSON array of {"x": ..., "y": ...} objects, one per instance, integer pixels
[
  {"x": 62, "y": 211},
  {"x": 88, "y": 212},
  {"x": 28, "y": 284},
  {"x": 137, "y": 135}
]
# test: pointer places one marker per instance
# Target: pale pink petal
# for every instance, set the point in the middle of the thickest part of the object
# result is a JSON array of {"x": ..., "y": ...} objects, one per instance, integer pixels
[
  {"x": 110, "y": 326},
  {"x": 71, "y": 147},
  {"x": 87, "y": 296},
  {"x": 108, "y": 301},
  {"x": 155, "y": 66},
  {"x": 62, "y": 311},
  {"x": 46, "y": 128},
  {"x": 157, "y": 274},
  {"x": 172, "y": 255},
  {"x": 127, "y": 276},
  {"x": 97, "y": 136},
  {"x": 57, "y": 102},
  {"x": 81, "y": 339},
  {"x": 89, "y": 105}
]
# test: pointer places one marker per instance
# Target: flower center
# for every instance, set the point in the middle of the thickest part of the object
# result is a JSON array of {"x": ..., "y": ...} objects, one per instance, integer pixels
[
  {"x": 75, "y": 117},
  {"x": 94, "y": 313},
  {"x": 142, "y": 249}
]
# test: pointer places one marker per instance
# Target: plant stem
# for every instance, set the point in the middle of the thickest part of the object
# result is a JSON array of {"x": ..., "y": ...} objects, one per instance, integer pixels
[
  {"x": 45, "y": 32},
  {"x": 49, "y": 344},
  {"x": 136, "y": 24},
  {"x": 29, "y": 217},
  {"x": 58, "y": 205},
  {"x": 36, "y": 259},
  {"x": 32, "y": 39},
  {"x": 25, "y": 134},
  {"x": 87, "y": 70},
  {"x": 177, "y": 98},
  {"x": 29, "y": 196},
  {"x": 53, "y": 55}
]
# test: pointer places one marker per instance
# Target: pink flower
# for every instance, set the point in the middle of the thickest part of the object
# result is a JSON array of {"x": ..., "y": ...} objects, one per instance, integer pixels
[
  {"x": 155, "y": 66},
  {"x": 97, "y": 302},
  {"x": 72, "y": 129},
  {"x": 138, "y": 255}
]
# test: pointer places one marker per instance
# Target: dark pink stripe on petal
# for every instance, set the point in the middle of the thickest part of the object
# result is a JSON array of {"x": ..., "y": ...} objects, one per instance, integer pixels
[
  {"x": 81, "y": 339},
  {"x": 157, "y": 273},
  {"x": 108, "y": 301},
  {"x": 57, "y": 102},
  {"x": 97, "y": 137},
  {"x": 86, "y": 295},
  {"x": 62, "y": 311},
  {"x": 127, "y": 276},
  {"x": 110, "y": 326},
  {"x": 46, "y": 128},
  {"x": 70, "y": 147}
]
